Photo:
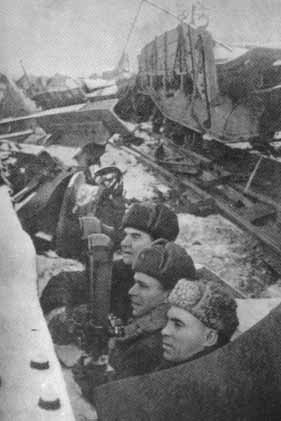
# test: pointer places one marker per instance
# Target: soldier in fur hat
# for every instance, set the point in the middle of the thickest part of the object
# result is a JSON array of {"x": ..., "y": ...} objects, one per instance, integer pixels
[
  {"x": 202, "y": 318},
  {"x": 139, "y": 349},
  {"x": 157, "y": 269},
  {"x": 142, "y": 224}
]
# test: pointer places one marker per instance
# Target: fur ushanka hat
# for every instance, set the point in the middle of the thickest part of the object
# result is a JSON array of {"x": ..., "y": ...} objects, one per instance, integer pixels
[
  {"x": 208, "y": 302},
  {"x": 156, "y": 219},
  {"x": 165, "y": 261}
]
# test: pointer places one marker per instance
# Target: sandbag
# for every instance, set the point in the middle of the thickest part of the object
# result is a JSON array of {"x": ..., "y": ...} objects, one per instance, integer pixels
[{"x": 241, "y": 381}]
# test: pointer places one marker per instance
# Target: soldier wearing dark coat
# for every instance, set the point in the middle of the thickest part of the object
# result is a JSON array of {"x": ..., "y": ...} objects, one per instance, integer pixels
[
  {"x": 157, "y": 269},
  {"x": 139, "y": 350},
  {"x": 202, "y": 317},
  {"x": 239, "y": 381},
  {"x": 143, "y": 223}
]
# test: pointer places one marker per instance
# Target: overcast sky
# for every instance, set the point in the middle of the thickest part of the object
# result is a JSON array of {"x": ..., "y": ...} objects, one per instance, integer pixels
[{"x": 79, "y": 37}]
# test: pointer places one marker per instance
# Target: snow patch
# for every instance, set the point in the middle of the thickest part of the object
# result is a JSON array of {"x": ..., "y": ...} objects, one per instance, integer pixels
[{"x": 139, "y": 182}]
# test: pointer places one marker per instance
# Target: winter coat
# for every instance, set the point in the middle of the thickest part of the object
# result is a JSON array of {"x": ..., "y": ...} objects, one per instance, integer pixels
[
  {"x": 165, "y": 365},
  {"x": 240, "y": 381},
  {"x": 139, "y": 351}
]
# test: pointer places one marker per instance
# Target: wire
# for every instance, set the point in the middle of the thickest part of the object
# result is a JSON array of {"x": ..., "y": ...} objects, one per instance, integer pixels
[
  {"x": 162, "y": 8},
  {"x": 132, "y": 28}
]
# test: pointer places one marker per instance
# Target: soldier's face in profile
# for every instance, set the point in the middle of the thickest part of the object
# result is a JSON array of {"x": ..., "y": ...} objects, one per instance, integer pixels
[
  {"x": 133, "y": 242},
  {"x": 146, "y": 294},
  {"x": 184, "y": 335}
]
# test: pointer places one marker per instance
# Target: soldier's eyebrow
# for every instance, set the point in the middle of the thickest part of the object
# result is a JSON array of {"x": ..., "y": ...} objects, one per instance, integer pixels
[
  {"x": 136, "y": 235},
  {"x": 142, "y": 284},
  {"x": 177, "y": 321}
]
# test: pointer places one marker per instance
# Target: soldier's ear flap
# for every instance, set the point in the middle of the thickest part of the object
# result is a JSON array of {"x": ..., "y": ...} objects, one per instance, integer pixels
[{"x": 211, "y": 337}]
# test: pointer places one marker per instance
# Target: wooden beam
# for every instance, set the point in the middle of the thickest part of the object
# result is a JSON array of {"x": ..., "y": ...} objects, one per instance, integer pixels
[{"x": 16, "y": 134}]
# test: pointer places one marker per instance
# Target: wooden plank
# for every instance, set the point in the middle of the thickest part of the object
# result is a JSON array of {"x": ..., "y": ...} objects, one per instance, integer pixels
[
  {"x": 235, "y": 196},
  {"x": 243, "y": 223},
  {"x": 259, "y": 196},
  {"x": 15, "y": 134},
  {"x": 259, "y": 212}
]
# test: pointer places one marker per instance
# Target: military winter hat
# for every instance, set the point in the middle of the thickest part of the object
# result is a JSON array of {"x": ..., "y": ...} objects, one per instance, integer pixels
[
  {"x": 165, "y": 261},
  {"x": 155, "y": 219},
  {"x": 208, "y": 302}
]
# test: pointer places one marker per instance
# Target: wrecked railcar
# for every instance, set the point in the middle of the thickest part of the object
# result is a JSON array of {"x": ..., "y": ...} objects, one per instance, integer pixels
[
  {"x": 51, "y": 92},
  {"x": 62, "y": 91},
  {"x": 229, "y": 93}
]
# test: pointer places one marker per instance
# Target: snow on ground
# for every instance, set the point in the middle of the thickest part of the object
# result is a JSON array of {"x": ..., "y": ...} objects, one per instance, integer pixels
[
  {"x": 50, "y": 264},
  {"x": 231, "y": 253},
  {"x": 139, "y": 182},
  {"x": 64, "y": 153}
]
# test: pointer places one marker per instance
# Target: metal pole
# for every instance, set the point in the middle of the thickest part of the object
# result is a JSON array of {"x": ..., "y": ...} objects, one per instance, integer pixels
[{"x": 253, "y": 174}]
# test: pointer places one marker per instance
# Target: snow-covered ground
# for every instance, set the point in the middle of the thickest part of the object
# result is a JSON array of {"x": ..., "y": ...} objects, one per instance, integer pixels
[
  {"x": 139, "y": 182},
  {"x": 231, "y": 253}
]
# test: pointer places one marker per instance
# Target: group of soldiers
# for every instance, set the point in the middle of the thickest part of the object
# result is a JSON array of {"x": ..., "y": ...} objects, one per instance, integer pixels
[
  {"x": 169, "y": 315},
  {"x": 172, "y": 318}
]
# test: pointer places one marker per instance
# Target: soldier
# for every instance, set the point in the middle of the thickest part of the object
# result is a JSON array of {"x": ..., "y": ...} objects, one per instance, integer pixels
[
  {"x": 239, "y": 381},
  {"x": 139, "y": 349},
  {"x": 157, "y": 269},
  {"x": 201, "y": 319},
  {"x": 143, "y": 223}
]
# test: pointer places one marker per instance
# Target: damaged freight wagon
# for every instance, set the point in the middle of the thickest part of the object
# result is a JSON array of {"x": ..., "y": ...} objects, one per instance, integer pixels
[{"x": 229, "y": 93}]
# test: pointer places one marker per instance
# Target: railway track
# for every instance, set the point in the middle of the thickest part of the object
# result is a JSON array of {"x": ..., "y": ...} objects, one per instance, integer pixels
[{"x": 215, "y": 190}]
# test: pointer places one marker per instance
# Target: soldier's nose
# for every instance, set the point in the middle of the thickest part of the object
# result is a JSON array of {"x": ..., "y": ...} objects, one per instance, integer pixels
[
  {"x": 133, "y": 290},
  {"x": 165, "y": 331},
  {"x": 126, "y": 241}
]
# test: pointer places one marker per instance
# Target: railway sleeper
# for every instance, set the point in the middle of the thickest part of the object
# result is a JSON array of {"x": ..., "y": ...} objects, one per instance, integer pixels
[{"x": 200, "y": 207}]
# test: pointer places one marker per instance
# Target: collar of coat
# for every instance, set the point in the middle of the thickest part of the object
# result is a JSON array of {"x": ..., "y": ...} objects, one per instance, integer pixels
[
  {"x": 165, "y": 364},
  {"x": 148, "y": 323}
]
